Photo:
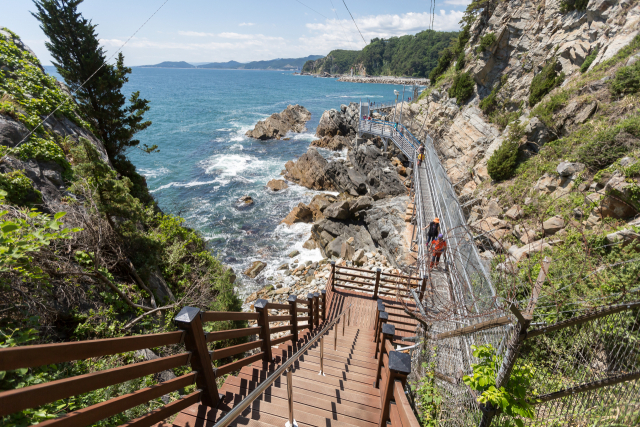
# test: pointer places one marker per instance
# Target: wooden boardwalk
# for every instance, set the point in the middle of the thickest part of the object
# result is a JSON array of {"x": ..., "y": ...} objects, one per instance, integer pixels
[{"x": 344, "y": 396}]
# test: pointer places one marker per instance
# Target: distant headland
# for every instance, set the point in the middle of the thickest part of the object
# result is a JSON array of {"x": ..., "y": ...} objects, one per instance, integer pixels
[{"x": 273, "y": 64}]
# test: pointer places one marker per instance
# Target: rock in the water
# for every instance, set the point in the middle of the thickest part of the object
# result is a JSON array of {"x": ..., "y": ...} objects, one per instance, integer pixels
[
  {"x": 277, "y": 184},
  {"x": 553, "y": 225},
  {"x": 300, "y": 213},
  {"x": 244, "y": 202},
  {"x": 293, "y": 118},
  {"x": 308, "y": 171},
  {"x": 310, "y": 244},
  {"x": 294, "y": 253},
  {"x": 255, "y": 269},
  {"x": 341, "y": 122}
]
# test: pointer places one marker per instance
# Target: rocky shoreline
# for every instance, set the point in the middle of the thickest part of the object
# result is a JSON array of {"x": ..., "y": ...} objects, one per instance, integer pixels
[
  {"x": 293, "y": 118},
  {"x": 362, "y": 225},
  {"x": 387, "y": 80}
]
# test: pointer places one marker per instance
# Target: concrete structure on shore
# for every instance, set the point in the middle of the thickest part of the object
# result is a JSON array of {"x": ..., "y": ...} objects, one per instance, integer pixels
[{"x": 390, "y": 80}]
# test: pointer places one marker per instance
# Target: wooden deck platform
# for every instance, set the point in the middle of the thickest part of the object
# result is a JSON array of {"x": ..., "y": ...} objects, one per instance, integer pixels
[{"x": 343, "y": 397}]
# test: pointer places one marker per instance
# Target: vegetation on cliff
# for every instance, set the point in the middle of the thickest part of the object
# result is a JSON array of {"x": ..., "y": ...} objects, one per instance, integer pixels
[
  {"x": 410, "y": 55},
  {"x": 95, "y": 258}
]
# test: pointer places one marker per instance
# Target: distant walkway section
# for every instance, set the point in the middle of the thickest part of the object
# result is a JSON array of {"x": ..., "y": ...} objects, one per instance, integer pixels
[{"x": 387, "y": 80}]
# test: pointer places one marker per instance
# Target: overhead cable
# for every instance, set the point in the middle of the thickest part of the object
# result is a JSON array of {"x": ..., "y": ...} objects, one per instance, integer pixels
[
  {"x": 311, "y": 9},
  {"x": 354, "y": 22},
  {"x": 91, "y": 76}
]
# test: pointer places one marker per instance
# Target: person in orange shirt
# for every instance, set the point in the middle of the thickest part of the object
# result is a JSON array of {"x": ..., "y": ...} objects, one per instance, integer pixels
[{"x": 438, "y": 248}]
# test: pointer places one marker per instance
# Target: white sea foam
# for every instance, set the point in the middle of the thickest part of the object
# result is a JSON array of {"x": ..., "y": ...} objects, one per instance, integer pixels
[
  {"x": 236, "y": 147},
  {"x": 304, "y": 136},
  {"x": 228, "y": 166},
  {"x": 153, "y": 173},
  {"x": 225, "y": 129},
  {"x": 185, "y": 184}
]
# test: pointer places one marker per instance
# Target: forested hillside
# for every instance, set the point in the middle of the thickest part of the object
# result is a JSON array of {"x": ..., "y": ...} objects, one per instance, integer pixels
[{"x": 410, "y": 55}]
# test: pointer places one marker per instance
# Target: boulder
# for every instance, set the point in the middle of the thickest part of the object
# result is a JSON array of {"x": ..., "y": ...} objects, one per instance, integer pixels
[
  {"x": 547, "y": 184},
  {"x": 537, "y": 132},
  {"x": 11, "y": 131},
  {"x": 334, "y": 248},
  {"x": 293, "y": 118},
  {"x": 619, "y": 201},
  {"x": 342, "y": 122},
  {"x": 514, "y": 213},
  {"x": 294, "y": 253},
  {"x": 359, "y": 257},
  {"x": 346, "y": 251},
  {"x": 277, "y": 184},
  {"x": 528, "y": 236},
  {"x": 553, "y": 225},
  {"x": 586, "y": 112},
  {"x": 310, "y": 244},
  {"x": 319, "y": 203},
  {"x": 244, "y": 201},
  {"x": 255, "y": 269},
  {"x": 160, "y": 289},
  {"x": 492, "y": 209},
  {"x": 308, "y": 171},
  {"x": 300, "y": 213},
  {"x": 489, "y": 224},
  {"x": 346, "y": 180},
  {"x": 530, "y": 248},
  {"x": 361, "y": 204},
  {"x": 568, "y": 169},
  {"x": 335, "y": 143},
  {"x": 337, "y": 210}
]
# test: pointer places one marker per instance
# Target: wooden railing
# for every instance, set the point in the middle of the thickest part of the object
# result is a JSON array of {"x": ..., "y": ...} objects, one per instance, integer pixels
[
  {"x": 375, "y": 282},
  {"x": 391, "y": 376},
  {"x": 190, "y": 323}
]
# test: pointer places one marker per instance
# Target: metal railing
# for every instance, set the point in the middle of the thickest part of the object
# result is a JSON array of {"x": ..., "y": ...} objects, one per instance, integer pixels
[{"x": 285, "y": 367}]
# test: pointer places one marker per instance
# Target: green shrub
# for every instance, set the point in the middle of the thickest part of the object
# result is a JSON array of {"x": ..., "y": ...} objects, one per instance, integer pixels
[
  {"x": 627, "y": 80},
  {"x": 502, "y": 163},
  {"x": 486, "y": 42},
  {"x": 489, "y": 104},
  {"x": 460, "y": 62},
  {"x": 611, "y": 144},
  {"x": 544, "y": 82},
  {"x": 588, "y": 60},
  {"x": 569, "y": 5},
  {"x": 462, "y": 87},
  {"x": 19, "y": 188},
  {"x": 446, "y": 56}
]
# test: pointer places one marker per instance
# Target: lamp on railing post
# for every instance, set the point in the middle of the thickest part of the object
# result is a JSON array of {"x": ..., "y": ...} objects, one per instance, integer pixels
[
  {"x": 399, "y": 368},
  {"x": 375, "y": 290},
  {"x": 388, "y": 331},
  {"x": 189, "y": 320},
  {"x": 293, "y": 311},
  {"x": 263, "y": 322}
]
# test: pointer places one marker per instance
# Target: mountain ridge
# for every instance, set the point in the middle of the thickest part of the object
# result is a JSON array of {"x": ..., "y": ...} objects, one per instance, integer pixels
[{"x": 278, "y": 63}]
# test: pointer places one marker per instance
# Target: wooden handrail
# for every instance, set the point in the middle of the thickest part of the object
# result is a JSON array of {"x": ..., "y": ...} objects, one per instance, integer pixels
[
  {"x": 223, "y": 316},
  {"x": 108, "y": 408},
  {"x": 47, "y": 354},
  {"x": 286, "y": 318},
  {"x": 234, "y": 366},
  {"x": 280, "y": 329},
  {"x": 407, "y": 417},
  {"x": 231, "y": 334},
  {"x": 158, "y": 415},
  {"x": 275, "y": 306},
  {"x": 30, "y": 397},
  {"x": 235, "y": 349}
]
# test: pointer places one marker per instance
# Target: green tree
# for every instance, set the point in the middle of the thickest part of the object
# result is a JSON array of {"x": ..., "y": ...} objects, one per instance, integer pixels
[
  {"x": 78, "y": 57},
  {"x": 462, "y": 87},
  {"x": 503, "y": 161}
]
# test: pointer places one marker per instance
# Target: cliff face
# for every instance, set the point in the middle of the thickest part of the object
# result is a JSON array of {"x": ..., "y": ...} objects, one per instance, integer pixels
[{"x": 528, "y": 36}]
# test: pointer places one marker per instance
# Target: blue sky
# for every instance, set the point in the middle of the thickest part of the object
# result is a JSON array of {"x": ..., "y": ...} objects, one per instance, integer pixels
[{"x": 241, "y": 30}]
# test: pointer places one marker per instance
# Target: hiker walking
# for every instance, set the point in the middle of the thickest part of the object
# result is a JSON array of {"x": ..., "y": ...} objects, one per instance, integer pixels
[
  {"x": 438, "y": 248},
  {"x": 434, "y": 230},
  {"x": 420, "y": 154}
]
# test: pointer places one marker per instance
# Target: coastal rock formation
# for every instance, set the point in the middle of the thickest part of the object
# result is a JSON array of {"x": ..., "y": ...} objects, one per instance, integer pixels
[
  {"x": 300, "y": 213},
  {"x": 308, "y": 171},
  {"x": 389, "y": 80},
  {"x": 293, "y": 118},
  {"x": 335, "y": 143},
  {"x": 277, "y": 185},
  {"x": 255, "y": 269},
  {"x": 343, "y": 122}
]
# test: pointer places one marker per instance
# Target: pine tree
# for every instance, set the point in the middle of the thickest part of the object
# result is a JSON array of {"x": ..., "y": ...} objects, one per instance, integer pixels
[{"x": 82, "y": 63}]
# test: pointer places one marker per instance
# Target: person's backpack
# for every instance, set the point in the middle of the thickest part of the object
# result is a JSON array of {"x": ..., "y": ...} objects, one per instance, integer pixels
[{"x": 433, "y": 229}]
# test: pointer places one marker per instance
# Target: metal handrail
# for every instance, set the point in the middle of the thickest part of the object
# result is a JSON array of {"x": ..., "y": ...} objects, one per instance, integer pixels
[{"x": 244, "y": 403}]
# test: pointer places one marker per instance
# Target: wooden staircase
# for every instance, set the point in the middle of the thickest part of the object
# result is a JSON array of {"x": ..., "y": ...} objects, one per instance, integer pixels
[{"x": 343, "y": 397}]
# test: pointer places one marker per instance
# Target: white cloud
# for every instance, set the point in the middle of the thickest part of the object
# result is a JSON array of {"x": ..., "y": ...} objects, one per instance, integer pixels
[
  {"x": 195, "y": 34},
  {"x": 246, "y": 24},
  {"x": 458, "y": 2}
]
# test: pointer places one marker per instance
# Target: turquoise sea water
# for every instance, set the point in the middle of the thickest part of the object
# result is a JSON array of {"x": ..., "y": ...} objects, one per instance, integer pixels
[{"x": 206, "y": 162}]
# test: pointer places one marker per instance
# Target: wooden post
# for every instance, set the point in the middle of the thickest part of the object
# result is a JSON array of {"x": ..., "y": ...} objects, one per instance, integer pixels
[
  {"x": 375, "y": 290},
  {"x": 388, "y": 331},
  {"x": 399, "y": 368},
  {"x": 294, "y": 316},
  {"x": 310, "y": 306},
  {"x": 263, "y": 322},
  {"x": 423, "y": 288},
  {"x": 377, "y": 321},
  {"x": 333, "y": 274},
  {"x": 383, "y": 316},
  {"x": 316, "y": 307},
  {"x": 323, "y": 312},
  {"x": 189, "y": 320}
]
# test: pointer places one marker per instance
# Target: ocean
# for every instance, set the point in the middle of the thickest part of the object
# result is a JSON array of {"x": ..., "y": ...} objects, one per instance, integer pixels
[{"x": 206, "y": 162}]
